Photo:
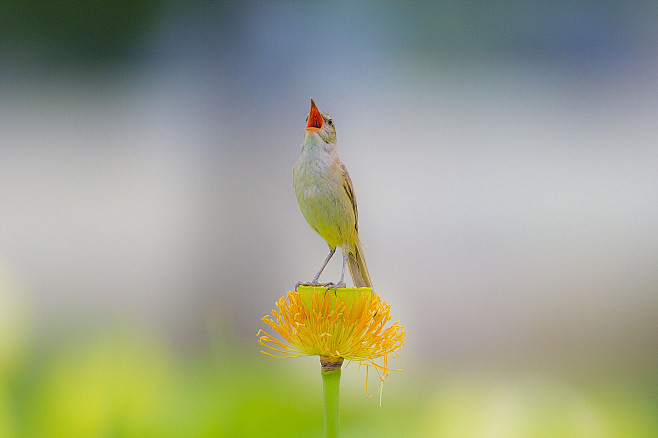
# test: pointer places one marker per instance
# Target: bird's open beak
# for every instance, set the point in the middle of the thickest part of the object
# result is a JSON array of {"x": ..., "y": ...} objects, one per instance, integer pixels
[{"x": 315, "y": 121}]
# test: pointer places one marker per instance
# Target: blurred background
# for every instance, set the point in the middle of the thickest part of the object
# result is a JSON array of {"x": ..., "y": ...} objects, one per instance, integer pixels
[{"x": 504, "y": 157}]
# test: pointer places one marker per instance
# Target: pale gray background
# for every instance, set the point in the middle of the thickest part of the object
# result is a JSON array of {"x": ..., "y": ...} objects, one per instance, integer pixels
[{"x": 504, "y": 158}]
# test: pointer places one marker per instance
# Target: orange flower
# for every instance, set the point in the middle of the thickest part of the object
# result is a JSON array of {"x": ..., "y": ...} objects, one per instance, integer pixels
[{"x": 347, "y": 324}]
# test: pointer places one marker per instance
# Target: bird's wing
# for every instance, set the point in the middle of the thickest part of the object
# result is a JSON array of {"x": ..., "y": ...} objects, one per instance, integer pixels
[{"x": 349, "y": 189}]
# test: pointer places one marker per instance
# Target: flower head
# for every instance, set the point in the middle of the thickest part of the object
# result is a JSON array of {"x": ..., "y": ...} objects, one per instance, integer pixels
[{"x": 349, "y": 324}]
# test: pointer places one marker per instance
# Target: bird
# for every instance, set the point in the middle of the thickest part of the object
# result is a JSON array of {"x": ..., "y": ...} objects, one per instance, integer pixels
[{"x": 326, "y": 198}]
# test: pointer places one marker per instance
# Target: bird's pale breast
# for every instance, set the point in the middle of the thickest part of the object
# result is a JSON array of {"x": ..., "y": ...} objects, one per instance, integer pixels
[{"x": 319, "y": 187}]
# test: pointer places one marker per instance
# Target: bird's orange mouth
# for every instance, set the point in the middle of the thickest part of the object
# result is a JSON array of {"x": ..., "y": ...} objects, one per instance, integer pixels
[{"x": 315, "y": 121}]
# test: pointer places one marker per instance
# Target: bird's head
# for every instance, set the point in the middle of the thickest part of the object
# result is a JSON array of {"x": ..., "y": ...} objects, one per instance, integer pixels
[{"x": 320, "y": 123}]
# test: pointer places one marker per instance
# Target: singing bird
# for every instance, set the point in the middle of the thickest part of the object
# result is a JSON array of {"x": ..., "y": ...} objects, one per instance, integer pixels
[{"x": 326, "y": 197}]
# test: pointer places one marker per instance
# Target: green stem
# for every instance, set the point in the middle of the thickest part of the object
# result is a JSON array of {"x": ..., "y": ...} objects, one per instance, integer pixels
[{"x": 330, "y": 387}]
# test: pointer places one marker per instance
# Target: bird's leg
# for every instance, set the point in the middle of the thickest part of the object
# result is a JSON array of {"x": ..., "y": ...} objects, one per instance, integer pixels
[
  {"x": 324, "y": 265},
  {"x": 315, "y": 281},
  {"x": 341, "y": 283}
]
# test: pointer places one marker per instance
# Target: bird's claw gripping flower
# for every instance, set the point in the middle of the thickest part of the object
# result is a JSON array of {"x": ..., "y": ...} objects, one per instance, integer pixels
[{"x": 350, "y": 325}]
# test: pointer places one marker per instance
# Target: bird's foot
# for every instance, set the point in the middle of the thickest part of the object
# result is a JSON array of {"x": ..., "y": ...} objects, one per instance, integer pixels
[{"x": 335, "y": 287}]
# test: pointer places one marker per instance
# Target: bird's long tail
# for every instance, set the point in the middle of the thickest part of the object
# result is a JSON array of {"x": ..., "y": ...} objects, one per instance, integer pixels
[{"x": 358, "y": 268}]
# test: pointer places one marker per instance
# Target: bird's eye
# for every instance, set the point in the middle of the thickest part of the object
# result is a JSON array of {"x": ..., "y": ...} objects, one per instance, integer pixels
[
  {"x": 307, "y": 118},
  {"x": 330, "y": 121}
]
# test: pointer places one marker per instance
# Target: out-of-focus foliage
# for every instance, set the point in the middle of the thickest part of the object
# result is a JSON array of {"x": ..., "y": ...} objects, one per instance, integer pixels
[
  {"x": 122, "y": 384},
  {"x": 88, "y": 32},
  {"x": 122, "y": 381}
]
